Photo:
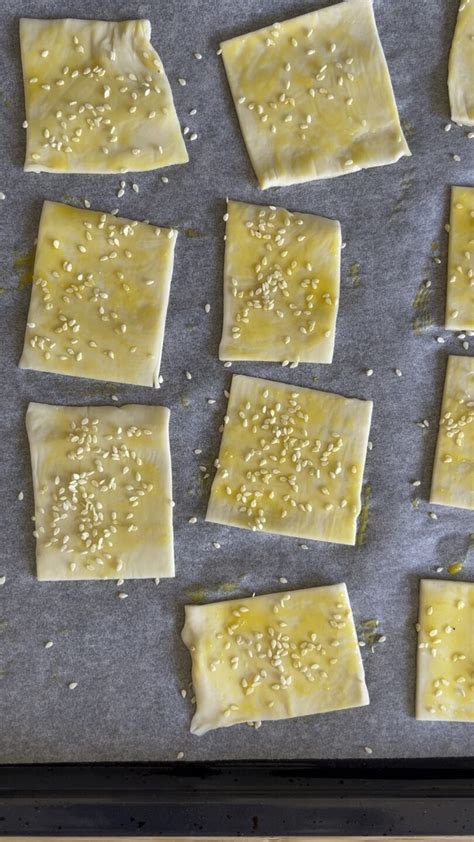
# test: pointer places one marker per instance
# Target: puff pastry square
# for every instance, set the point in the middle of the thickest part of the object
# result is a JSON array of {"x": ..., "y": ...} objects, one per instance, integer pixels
[
  {"x": 99, "y": 296},
  {"x": 461, "y": 67},
  {"x": 460, "y": 290},
  {"x": 102, "y": 487},
  {"x": 314, "y": 97},
  {"x": 444, "y": 688},
  {"x": 291, "y": 461},
  {"x": 274, "y": 657},
  {"x": 452, "y": 483},
  {"x": 97, "y": 98},
  {"x": 281, "y": 285}
]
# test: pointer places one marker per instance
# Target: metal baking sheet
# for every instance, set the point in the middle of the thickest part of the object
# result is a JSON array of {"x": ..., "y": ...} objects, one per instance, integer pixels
[{"x": 126, "y": 655}]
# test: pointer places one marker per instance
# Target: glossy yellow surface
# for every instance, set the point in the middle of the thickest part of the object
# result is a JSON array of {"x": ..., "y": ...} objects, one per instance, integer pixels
[
  {"x": 460, "y": 288},
  {"x": 97, "y": 98},
  {"x": 453, "y": 471},
  {"x": 99, "y": 297},
  {"x": 102, "y": 486},
  {"x": 461, "y": 66},
  {"x": 313, "y": 96},
  {"x": 291, "y": 461},
  {"x": 281, "y": 285},
  {"x": 274, "y": 657},
  {"x": 445, "y": 669}
]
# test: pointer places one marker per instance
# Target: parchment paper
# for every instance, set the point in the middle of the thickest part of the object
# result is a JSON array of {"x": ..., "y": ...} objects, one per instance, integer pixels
[{"x": 127, "y": 655}]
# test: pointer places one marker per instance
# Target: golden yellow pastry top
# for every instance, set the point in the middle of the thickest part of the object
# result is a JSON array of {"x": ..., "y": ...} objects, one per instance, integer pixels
[
  {"x": 281, "y": 285},
  {"x": 445, "y": 670},
  {"x": 273, "y": 657},
  {"x": 313, "y": 96},
  {"x": 97, "y": 98},
  {"x": 99, "y": 297},
  {"x": 460, "y": 288},
  {"x": 461, "y": 66},
  {"x": 291, "y": 461},
  {"x": 453, "y": 471},
  {"x": 102, "y": 486}
]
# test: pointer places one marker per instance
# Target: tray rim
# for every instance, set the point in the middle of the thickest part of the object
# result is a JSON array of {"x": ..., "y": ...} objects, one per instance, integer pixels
[{"x": 253, "y": 798}]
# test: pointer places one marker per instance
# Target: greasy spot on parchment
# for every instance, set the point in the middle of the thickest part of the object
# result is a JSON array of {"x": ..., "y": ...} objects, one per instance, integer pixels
[
  {"x": 405, "y": 185},
  {"x": 364, "y": 513},
  {"x": 371, "y": 633},
  {"x": 354, "y": 272},
  {"x": 421, "y": 305},
  {"x": 201, "y": 594},
  {"x": 23, "y": 265},
  {"x": 408, "y": 129}
]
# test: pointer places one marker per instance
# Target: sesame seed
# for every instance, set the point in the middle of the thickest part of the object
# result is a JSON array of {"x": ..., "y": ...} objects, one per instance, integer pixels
[
  {"x": 193, "y": 136},
  {"x": 369, "y": 372},
  {"x": 72, "y": 685},
  {"x": 456, "y": 158},
  {"x": 3, "y": 579},
  {"x": 182, "y": 82},
  {"x": 180, "y": 755},
  {"x": 48, "y": 644},
  {"x": 122, "y": 595},
  {"x": 433, "y": 515},
  {"x": 192, "y": 520},
  {"x": 20, "y": 495},
  {"x": 368, "y": 750},
  {"x": 398, "y": 372},
  {"x": 207, "y": 308},
  {"x": 197, "y": 56},
  {"x": 447, "y": 127}
]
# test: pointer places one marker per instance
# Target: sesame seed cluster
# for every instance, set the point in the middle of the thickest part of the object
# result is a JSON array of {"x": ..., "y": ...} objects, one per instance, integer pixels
[
  {"x": 291, "y": 461},
  {"x": 102, "y": 483},
  {"x": 313, "y": 96},
  {"x": 99, "y": 297},
  {"x": 452, "y": 482},
  {"x": 460, "y": 289},
  {"x": 281, "y": 285},
  {"x": 97, "y": 98},
  {"x": 444, "y": 672},
  {"x": 269, "y": 657}
]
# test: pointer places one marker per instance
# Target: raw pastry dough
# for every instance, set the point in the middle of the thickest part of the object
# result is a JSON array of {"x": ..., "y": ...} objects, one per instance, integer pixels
[
  {"x": 460, "y": 291},
  {"x": 102, "y": 485},
  {"x": 281, "y": 285},
  {"x": 274, "y": 657},
  {"x": 461, "y": 67},
  {"x": 313, "y": 96},
  {"x": 453, "y": 471},
  {"x": 444, "y": 688},
  {"x": 99, "y": 297},
  {"x": 291, "y": 461},
  {"x": 97, "y": 98}
]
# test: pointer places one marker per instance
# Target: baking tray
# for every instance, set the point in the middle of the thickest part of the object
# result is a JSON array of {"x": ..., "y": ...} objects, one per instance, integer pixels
[
  {"x": 259, "y": 799},
  {"x": 393, "y": 225}
]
